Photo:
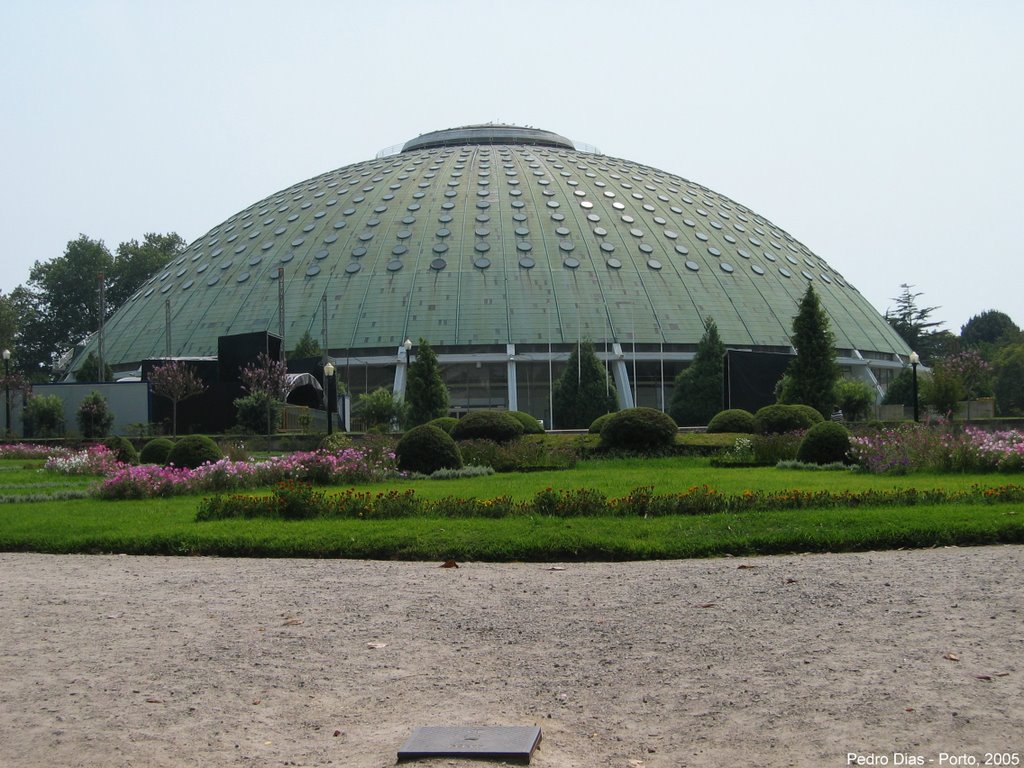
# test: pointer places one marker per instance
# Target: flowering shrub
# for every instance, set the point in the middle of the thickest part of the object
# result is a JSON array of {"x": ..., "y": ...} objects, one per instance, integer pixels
[
  {"x": 94, "y": 460},
  {"x": 351, "y": 465},
  {"x": 916, "y": 447},
  {"x": 31, "y": 451}
]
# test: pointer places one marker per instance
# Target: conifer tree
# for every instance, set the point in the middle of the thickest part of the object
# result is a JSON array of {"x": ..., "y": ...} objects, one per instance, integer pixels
[
  {"x": 697, "y": 393},
  {"x": 811, "y": 376},
  {"x": 425, "y": 391},
  {"x": 582, "y": 392}
]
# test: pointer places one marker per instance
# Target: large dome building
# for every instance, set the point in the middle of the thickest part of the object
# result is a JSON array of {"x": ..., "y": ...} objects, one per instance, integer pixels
[{"x": 503, "y": 246}]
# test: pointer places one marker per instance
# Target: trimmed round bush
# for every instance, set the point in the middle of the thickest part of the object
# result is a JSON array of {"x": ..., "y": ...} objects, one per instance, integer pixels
[
  {"x": 447, "y": 423},
  {"x": 530, "y": 425},
  {"x": 336, "y": 441},
  {"x": 194, "y": 451},
  {"x": 499, "y": 426},
  {"x": 426, "y": 449},
  {"x": 598, "y": 424},
  {"x": 780, "y": 418},
  {"x": 156, "y": 451},
  {"x": 733, "y": 420},
  {"x": 639, "y": 429},
  {"x": 825, "y": 443},
  {"x": 122, "y": 448},
  {"x": 813, "y": 414}
]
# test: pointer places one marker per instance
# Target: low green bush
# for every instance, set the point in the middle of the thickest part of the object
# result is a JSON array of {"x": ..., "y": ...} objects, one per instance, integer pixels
[
  {"x": 825, "y": 443},
  {"x": 639, "y": 429},
  {"x": 517, "y": 456},
  {"x": 122, "y": 448},
  {"x": 780, "y": 418},
  {"x": 193, "y": 451},
  {"x": 499, "y": 426},
  {"x": 94, "y": 416},
  {"x": 447, "y": 423},
  {"x": 813, "y": 414},
  {"x": 336, "y": 441},
  {"x": 258, "y": 413},
  {"x": 44, "y": 416},
  {"x": 733, "y": 420},
  {"x": 530, "y": 424},
  {"x": 156, "y": 451},
  {"x": 426, "y": 449},
  {"x": 770, "y": 449},
  {"x": 598, "y": 424}
]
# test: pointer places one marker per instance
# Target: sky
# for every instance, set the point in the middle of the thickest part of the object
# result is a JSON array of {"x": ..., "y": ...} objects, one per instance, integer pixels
[{"x": 886, "y": 136}]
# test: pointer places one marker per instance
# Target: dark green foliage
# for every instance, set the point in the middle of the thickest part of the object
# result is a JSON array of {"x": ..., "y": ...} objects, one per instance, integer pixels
[
  {"x": 583, "y": 391},
  {"x": 156, "y": 451},
  {"x": 639, "y": 429},
  {"x": 193, "y": 451},
  {"x": 901, "y": 389},
  {"x": 122, "y": 448},
  {"x": 531, "y": 426},
  {"x": 94, "y": 416},
  {"x": 813, "y": 372},
  {"x": 697, "y": 393},
  {"x": 781, "y": 418},
  {"x": 824, "y": 443},
  {"x": 854, "y": 398},
  {"x": 811, "y": 414},
  {"x": 305, "y": 348},
  {"x": 426, "y": 449},
  {"x": 135, "y": 262},
  {"x": 425, "y": 392},
  {"x": 1009, "y": 383},
  {"x": 498, "y": 426},
  {"x": 516, "y": 456},
  {"x": 912, "y": 324},
  {"x": 990, "y": 327},
  {"x": 89, "y": 370},
  {"x": 598, "y": 424},
  {"x": 336, "y": 441},
  {"x": 733, "y": 420},
  {"x": 380, "y": 409},
  {"x": 447, "y": 423},
  {"x": 942, "y": 391},
  {"x": 258, "y": 413}
]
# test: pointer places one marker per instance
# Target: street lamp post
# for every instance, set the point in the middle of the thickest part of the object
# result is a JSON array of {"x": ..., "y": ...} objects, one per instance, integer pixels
[
  {"x": 7, "y": 392},
  {"x": 915, "y": 360},
  {"x": 328, "y": 381},
  {"x": 407, "y": 346}
]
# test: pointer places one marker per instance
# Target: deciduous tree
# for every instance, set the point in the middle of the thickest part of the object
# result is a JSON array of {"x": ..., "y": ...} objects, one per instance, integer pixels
[{"x": 177, "y": 382}]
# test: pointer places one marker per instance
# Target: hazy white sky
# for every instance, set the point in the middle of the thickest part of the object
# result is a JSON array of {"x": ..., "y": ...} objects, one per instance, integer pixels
[{"x": 887, "y": 136}]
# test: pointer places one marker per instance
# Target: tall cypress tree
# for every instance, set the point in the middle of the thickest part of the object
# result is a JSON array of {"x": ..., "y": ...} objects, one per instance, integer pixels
[
  {"x": 425, "y": 392},
  {"x": 812, "y": 375},
  {"x": 697, "y": 392},
  {"x": 582, "y": 392}
]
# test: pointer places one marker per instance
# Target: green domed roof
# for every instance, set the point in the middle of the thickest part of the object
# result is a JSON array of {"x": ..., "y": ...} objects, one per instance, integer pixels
[{"x": 491, "y": 235}]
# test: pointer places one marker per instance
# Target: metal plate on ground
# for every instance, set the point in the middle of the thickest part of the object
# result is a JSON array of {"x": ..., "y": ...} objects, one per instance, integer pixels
[{"x": 511, "y": 742}]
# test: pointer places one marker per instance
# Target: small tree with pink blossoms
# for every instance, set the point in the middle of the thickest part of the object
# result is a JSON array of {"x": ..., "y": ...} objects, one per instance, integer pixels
[
  {"x": 177, "y": 382},
  {"x": 266, "y": 383}
]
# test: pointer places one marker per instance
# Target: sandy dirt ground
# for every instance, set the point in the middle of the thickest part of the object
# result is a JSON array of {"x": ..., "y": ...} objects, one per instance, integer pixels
[{"x": 768, "y": 661}]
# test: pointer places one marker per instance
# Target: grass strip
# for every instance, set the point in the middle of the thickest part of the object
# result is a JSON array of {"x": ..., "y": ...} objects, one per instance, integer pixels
[{"x": 166, "y": 527}]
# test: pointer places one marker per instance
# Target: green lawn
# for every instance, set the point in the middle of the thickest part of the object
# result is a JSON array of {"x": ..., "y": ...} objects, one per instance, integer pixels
[{"x": 167, "y": 526}]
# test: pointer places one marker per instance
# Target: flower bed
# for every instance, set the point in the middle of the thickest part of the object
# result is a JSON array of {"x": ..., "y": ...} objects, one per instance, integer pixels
[
  {"x": 916, "y": 447},
  {"x": 351, "y": 465},
  {"x": 292, "y": 500}
]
